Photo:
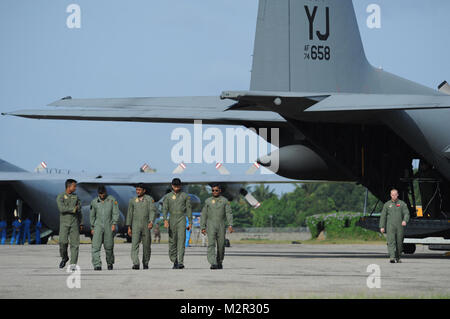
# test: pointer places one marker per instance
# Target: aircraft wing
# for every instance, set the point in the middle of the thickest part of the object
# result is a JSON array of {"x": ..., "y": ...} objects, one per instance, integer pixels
[
  {"x": 6, "y": 177},
  {"x": 189, "y": 179},
  {"x": 135, "y": 178}
]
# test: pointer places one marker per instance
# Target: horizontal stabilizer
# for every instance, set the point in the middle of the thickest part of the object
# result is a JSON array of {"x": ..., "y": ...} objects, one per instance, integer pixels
[
  {"x": 379, "y": 102},
  {"x": 211, "y": 110},
  {"x": 197, "y": 102},
  {"x": 157, "y": 115},
  {"x": 264, "y": 100}
]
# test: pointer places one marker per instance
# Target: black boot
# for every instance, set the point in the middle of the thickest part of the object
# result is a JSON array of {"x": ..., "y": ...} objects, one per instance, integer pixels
[{"x": 62, "y": 264}]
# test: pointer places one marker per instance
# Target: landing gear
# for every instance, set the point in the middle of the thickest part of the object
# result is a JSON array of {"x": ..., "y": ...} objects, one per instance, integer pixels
[{"x": 409, "y": 248}]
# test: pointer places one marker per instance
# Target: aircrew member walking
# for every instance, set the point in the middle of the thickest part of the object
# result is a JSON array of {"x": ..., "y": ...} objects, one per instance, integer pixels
[
  {"x": 70, "y": 223},
  {"x": 394, "y": 217},
  {"x": 140, "y": 218},
  {"x": 26, "y": 231},
  {"x": 38, "y": 232},
  {"x": 178, "y": 204},
  {"x": 157, "y": 233},
  {"x": 216, "y": 213},
  {"x": 16, "y": 231},
  {"x": 104, "y": 218},
  {"x": 3, "y": 231}
]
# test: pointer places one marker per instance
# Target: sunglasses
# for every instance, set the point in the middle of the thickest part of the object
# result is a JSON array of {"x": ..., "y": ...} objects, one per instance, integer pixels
[{"x": 216, "y": 190}]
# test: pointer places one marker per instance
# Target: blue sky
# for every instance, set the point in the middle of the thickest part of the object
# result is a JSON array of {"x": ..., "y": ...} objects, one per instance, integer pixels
[{"x": 163, "y": 48}]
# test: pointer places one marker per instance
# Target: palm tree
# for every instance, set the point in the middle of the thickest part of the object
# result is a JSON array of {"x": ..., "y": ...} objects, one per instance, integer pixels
[{"x": 263, "y": 192}]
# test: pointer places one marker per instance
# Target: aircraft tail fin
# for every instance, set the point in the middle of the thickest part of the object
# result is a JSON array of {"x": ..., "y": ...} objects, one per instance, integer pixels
[
  {"x": 315, "y": 46},
  {"x": 8, "y": 167}
]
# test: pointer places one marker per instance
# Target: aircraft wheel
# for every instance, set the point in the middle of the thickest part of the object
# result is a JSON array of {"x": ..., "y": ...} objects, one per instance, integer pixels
[{"x": 409, "y": 248}]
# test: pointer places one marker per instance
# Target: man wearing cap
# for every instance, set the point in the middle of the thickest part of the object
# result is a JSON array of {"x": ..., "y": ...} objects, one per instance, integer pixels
[
  {"x": 393, "y": 220},
  {"x": 140, "y": 218},
  {"x": 215, "y": 213},
  {"x": 104, "y": 217},
  {"x": 70, "y": 223},
  {"x": 178, "y": 204}
]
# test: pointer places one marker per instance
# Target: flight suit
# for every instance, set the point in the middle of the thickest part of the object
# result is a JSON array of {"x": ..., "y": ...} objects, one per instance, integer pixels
[
  {"x": 38, "y": 232},
  {"x": 3, "y": 231},
  {"x": 392, "y": 216},
  {"x": 26, "y": 231},
  {"x": 103, "y": 215},
  {"x": 188, "y": 233},
  {"x": 179, "y": 207},
  {"x": 140, "y": 214},
  {"x": 215, "y": 212},
  {"x": 70, "y": 220},
  {"x": 16, "y": 232}
]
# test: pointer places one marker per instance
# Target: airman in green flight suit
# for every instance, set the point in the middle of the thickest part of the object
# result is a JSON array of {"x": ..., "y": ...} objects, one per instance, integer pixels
[
  {"x": 393, "y": 220},
  {"x": 178, "y": 204},
  {"x": 216, "y": 213},
  {"x": 70, "y": 223},
  {"x": 104, "y": 217},
  {"x": 140, "y": 219}
]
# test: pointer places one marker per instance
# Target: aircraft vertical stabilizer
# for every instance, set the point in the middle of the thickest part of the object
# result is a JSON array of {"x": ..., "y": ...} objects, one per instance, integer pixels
[{"x": 315, "y": 46}]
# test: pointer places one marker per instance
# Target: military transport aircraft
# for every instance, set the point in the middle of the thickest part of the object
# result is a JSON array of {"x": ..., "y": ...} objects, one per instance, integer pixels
[
  {"x": 339, "y": 118},
  {"x": 36, "y": 192}
]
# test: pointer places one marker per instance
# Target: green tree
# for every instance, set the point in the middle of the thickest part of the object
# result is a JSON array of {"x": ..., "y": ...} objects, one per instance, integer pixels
[
  {"x": 263, "y": 192},
  {"x": 242, "y": 216},
  {"x": 200, "y": 191}
]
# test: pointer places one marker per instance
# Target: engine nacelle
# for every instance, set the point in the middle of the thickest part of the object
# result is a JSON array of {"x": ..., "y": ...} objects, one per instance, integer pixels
[{"x": 300, "y": 162}]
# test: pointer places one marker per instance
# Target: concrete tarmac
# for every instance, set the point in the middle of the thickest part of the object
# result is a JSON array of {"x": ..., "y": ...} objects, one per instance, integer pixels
[{"x": 250, "y": 271}]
